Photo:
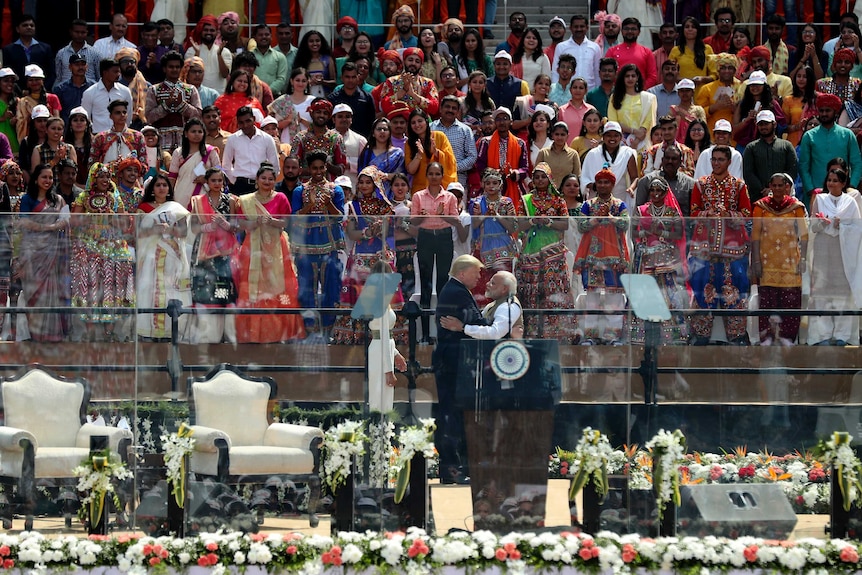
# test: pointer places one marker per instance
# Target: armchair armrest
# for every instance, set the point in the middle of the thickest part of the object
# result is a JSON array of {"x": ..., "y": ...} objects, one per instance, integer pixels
[
  {"x": 290, "y": 435},
  {"x": 205, "y": 438},
  {"x": 11, "y": 439},
  {"x": 115, "y": 435}
]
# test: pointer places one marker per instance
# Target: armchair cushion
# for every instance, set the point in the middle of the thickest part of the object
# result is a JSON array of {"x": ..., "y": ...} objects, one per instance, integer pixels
[
  {"x": 50, "y": 462},
  {"x": 257, "y": 460},
  {"x": 234, "y": 405},
  {"x": 289, "y": 435},
  {"x": 205, "y": 438},
  {"x": 47, "y": 407}
]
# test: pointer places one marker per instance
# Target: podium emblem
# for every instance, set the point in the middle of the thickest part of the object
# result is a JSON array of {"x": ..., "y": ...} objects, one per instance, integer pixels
[{"x": 510, "y": 360}]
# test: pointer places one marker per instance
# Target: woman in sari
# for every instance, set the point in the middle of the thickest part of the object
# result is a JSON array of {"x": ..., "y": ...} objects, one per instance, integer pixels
[
  {"x": 368, "y": 219},
  {"x": 493, "y": 222},
  {"x": 263, "y": 271},
  {"x": 425, "y": 146},
  {"x": 291, "y": 108},
  {"x": 236, "y": 95},
  {"x": 603, "y": 255},
  {"x": 380, "y": 153},
  {"x": 215, "y": 245},
  {"x": 162, "y": 264},
  {"x": 659, "y": 251},
  {"x": 542, "y": 271},
  {"x": 633, "y": 107},
  {"x": 779, "y": 242},
  {"x": 836, "y": 272},
  {"x": 44, "y": 255},
  {"x": 405, "y": 237},
  {"x": 190, "y": 162},
  {"x": 102, "y": 268}
]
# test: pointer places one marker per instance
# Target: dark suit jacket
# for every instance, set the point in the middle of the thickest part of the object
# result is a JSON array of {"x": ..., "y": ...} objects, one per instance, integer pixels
[
  {"x": 456, "y": 300},
  {"x": 14, "y": 57}
]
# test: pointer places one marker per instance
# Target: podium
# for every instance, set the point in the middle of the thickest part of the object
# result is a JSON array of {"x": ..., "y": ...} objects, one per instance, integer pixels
[{"x": 507, "y": 391}]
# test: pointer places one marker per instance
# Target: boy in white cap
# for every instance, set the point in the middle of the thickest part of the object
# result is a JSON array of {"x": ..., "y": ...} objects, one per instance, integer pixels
[
  {"x": 503, "y": 87},
  {"x": 721, "y": 137},
  {"x": 342, "y": 119}
]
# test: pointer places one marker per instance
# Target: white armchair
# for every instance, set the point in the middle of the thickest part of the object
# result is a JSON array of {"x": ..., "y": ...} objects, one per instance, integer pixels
[
  {"x": 235, "y": 442},
  {"x": 45, "y": 433}
]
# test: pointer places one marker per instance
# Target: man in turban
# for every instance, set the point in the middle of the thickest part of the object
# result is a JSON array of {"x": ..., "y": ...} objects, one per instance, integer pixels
[
  {"x": 418, "y": 92},
  {"x": 319, "y": 138},
  {"x": 131, "y": 77},
  {"x": 128, "y": 173},
  {"x": 761, "y": 59},
  {"x": 217, "y": 61},
  {"x": 825, "y": 142},
  {"x": 402, "y": 23},
  {"x": 840, "y": 83},
  {"x": 718, "y": 98},
  {"x": 390, "y": 65}
]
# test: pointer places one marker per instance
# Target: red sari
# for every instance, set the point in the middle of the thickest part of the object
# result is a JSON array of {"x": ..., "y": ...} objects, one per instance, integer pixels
[{"x": 265, "y": 276}]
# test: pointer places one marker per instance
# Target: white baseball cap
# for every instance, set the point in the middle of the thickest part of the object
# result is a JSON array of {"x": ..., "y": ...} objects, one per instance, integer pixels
[
  {"x": 267, "y": 121},
  {"x": 341, "y": 108},
  {"x": 613, "y": 127},
  {"x": 557, "y": 20},
  {"x": 4, "y": 72},
  {"x": 455, "y": 186},
  {"x": 33, "y": 71},
  {"x": 503, "y": 110},
  {"x": 546, "y": 109},
  {"x": 503, "y": 54},
  {"x": 757, "y": 77},
  {"x": 765, "y": 116},
  {"x": 722, "y": 126},
  {"x": 344, "y": 182},
  {"x": 40, "y": 111},
  {"x": 685, "y": 84}
]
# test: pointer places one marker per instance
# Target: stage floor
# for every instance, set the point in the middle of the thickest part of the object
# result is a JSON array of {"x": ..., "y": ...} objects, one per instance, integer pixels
[{"x": 450, "y": 507}]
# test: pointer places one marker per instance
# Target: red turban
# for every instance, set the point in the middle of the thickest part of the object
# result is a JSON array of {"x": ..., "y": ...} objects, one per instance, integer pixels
[
  {"x": 829, "y": 101},
  {"x": 388, "y": 55},
  {"x": 320, "y": 104},
  {"x": 346, "y": 21},
  {"x": 844, "y": 54},
  {"x": 414, "y": 52},
  {"x": 129, "y": 162},
  {"x": 761, "y": 52},
  {"x": 199, "y": 28},
  {"x": 399, "y": 109},
  {"x": 606, "y": 174}
]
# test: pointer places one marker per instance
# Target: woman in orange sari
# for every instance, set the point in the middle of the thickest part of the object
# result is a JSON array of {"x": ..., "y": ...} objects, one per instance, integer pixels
[{"x": 263, "y": 271}]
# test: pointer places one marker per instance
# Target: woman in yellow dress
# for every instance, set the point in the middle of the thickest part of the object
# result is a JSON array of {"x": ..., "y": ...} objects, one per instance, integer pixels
[
  {"x": 424, "y": 146},
  {"x": 692, "y": 55},
  {"x": 632, "y": 107}
]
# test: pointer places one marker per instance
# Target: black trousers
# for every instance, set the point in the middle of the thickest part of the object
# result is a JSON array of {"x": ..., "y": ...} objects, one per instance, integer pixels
[{"x": 431, "y": 244}]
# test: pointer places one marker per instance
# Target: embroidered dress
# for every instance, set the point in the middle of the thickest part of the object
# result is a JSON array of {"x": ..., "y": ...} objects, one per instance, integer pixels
[
  {"x": 405, "y": 250},
  {"x": 283, "y": 107},
  {"x": 109, "y": 147},
  {"x": 391, "y": 161},
  {"x": 44, "y": 264},
  {"x": 780, "y": 227},
  {"x": 265, "y": 275},
  {"x": 543, "y": 274},
  {"x": 102, "y": 267},
  {"x": 366, "y": 213},
  {"x": 162, "y": 269},
  {"x": 603, "y": 255},
  {"x": 492, "y": 243},
  {"x": 329, "y": 142},
  {"x": 168, "y": 118},
  {"x": 656, "y": 253},
  {"x": 718, "y": 261},
  {"x": 212, "y": 280}
]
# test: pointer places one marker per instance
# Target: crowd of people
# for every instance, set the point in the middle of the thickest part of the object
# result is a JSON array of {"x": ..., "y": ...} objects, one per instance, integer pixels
[{"x": 224, "y": 170}]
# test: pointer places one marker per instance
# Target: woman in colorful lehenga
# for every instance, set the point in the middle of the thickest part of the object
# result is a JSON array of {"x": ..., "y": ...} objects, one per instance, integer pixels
[
  {"x": 493, "y": 223},
  {"x": 542, "y": 272},
  {"x": 603, "y": 255},
  {"x": 264, "y": 271},
  {"x": 102, "y": 267},
  {"x": 405, "y": 240},
  {"x": 11, "y": 192},
  {"x": 659, "y": 251},
  {"x": 44, "y": 255},
  {"x": 215, "y": 245},
  {"x": 162, "y": 264},
  {"x": 368, "y": 219}
]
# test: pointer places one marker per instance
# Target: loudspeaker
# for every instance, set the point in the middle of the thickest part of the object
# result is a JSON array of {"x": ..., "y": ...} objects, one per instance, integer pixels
[{"x": 735, "y": 510}]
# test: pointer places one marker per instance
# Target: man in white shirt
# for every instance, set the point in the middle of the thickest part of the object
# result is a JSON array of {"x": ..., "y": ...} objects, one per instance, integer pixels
[
  {"x": 342, "y": 119},
  {"x": 504, "y": 311},
  {"x": 108, "y": 89},
  {"x": 721, "y": 137},
  {"x": 107, "y": 47},
  {"x": 217, "y": 59},
  {"x": 245, "y": 150},
  {"x": 586, "y": 52}
]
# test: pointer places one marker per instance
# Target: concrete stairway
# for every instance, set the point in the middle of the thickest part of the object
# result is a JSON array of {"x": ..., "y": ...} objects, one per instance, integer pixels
[{"x": 539, "y": 14}]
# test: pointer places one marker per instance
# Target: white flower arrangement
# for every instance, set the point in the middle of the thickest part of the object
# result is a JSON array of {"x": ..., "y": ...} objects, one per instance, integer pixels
[
  {"x": 177, "y": 447},
  {"x": 96, "y": 476},
  {"x": 341, "y": 444},
  {"x": 381, "y": 450},
  {"x": 668, "y": 451},
  {"x": 848, "y": 469},
  {"x": 593, "y": 456},
  {"x": 412, "y": 439}
]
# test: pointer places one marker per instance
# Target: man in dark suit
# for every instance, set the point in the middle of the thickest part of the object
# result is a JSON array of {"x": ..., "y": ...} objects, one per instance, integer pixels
[
  {"x": 454, "y": 300},
  {"x": 27, "y": 50}
]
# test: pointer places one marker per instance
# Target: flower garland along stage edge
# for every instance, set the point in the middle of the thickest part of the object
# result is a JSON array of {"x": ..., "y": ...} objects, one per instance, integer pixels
[
  {"x": 178, "y": 446},
  {"x": 414, "y": 552},
  {"x": 96, "y": 476}
]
